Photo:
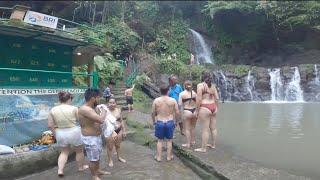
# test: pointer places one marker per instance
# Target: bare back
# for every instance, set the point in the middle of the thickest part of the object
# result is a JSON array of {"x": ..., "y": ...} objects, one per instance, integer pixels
[
  {"x": 207, "y": 95},
  {"x": 89, "y": 127},
  {"x": 189, "y": 97},
  {"x": 165, "y": 108}
]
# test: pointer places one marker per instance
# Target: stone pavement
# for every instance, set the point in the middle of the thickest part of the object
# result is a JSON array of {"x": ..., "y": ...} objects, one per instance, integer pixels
[
  {"x": 140, "y": 165},
  {"x": 220, "y": 161}
]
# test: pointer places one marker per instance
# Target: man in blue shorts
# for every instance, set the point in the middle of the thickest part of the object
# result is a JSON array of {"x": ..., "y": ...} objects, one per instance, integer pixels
[
  {"x": 164, "y": 112},
  {"x": 174, "y": 91}
]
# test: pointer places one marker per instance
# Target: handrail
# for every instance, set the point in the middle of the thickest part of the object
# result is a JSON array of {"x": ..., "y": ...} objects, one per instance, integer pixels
[
  {"x": 45, "y": 71},
  {"x": 133, "y": 74},
  {"x": 95, "y": 75}
]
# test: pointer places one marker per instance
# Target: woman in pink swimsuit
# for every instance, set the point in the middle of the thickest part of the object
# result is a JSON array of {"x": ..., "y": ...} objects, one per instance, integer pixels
[{"x": 207, "y": 101}]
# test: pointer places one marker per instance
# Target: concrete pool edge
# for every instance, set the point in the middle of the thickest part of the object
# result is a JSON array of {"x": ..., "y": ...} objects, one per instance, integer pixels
[{"x": 230, "y": 165}]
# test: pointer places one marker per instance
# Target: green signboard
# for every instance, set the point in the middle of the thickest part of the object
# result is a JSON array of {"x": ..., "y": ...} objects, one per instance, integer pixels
[{"x": 28, "y": 53}]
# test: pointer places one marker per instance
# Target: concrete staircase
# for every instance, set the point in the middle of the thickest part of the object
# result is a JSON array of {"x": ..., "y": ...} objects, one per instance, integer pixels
[{"x": 118, "y": 93}]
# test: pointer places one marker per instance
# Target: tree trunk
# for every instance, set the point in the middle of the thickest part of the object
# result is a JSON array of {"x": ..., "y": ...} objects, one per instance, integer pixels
[
  {"x": 104, "y": 12},
  {"x": 123, "y": 10},
  {"x": 94, "y": 13}
]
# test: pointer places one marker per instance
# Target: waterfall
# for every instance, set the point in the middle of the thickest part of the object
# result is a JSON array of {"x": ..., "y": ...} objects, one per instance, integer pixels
[
  {"x": 294, "y": 91},
  {"x": 249, "y": 86},
  {"x": 226, "y": 87},
  {"x": 203, "y": 52},
  {"x": 316, "y": 79},
  {"x": 276, "y": 85}
]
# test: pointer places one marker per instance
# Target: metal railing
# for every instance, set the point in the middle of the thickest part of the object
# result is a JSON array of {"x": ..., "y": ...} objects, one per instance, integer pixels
[
  {"x": 94, "y": 77},
  {"x": 66, "y": 28},
  {"x": 134, "y": 72}
]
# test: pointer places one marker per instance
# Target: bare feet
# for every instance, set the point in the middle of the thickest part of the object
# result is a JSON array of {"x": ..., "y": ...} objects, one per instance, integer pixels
[
  {"x": 95, "y": 178},
  {"x": 211, "y": 146},
  {"x": 84, "y": 167},
  {"x": 185, "y": 145},
  {"x": 122, "y": 160},
  {"x": 100, "y": 172},
  {"x": 200, "y": 150},
  {"x": 158, "y": 159},
  {"x": 60, "y": 173},
  {"x": 193, "y": 143},
  {"x": 170, "y": 158},
  {"x": 110, "y": 164}
]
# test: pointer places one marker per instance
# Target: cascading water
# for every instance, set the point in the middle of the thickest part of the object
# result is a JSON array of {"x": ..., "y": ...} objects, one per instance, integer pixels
[
  {"x": 276, "y": 85},
  {"x": 316, "y": 79},
  {"x": 293, "y": 90},
  {"x": 203, "y": 52},
  {"x": 249, "y": 86},
  {"x": 225, "y": 86}
]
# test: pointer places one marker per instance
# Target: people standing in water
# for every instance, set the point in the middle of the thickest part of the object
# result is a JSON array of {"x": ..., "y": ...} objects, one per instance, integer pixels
[
  {"x": 62, "y": 122},
  {"x": 207, "y": 102},
  {"x": 90, "y": 123},
  {"x": 114, "y": 130},
  {"x": 187, "y": 104},
  {"x": 164, "y": 112},
  {"x": 128, "y": 93},
  {"x": 174, "y": 91}
]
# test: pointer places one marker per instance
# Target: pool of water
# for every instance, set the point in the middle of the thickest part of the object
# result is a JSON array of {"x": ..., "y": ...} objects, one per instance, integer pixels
[{"x": 278, "y": 135}]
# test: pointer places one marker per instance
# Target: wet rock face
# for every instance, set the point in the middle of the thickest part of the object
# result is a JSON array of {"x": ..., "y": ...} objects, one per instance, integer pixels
[{"x": 235, "y": 87}]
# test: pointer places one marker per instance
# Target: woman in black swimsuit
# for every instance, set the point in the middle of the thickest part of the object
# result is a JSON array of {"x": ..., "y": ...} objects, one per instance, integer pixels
[
  {"x": 187, "y": 104},
  {"x": 119, "y": 132}
]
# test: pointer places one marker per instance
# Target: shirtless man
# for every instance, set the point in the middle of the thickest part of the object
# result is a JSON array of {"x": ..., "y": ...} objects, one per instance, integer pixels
[
  {"x": 90, "y": 123},
  {"x": 128, "y": 93},
  {"x": 207, "y": 107},
  {"x": 164, "y": 112}
]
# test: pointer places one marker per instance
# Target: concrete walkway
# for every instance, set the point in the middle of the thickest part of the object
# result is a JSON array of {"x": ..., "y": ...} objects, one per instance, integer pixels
[
  {"x": 140, "y": 165},
  {"x": 220, "y": 160}
]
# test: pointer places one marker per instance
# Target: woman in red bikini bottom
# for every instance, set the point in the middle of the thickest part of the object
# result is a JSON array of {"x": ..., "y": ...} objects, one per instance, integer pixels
[{"x": 207, "y": 101}]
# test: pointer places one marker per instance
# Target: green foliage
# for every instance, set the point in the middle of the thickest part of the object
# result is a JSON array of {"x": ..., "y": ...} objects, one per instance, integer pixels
[
  {"x": 257, "y": 25},
  {"x": 140, "y": 80},
  {"x": 238, "y": 70},
  {"x": 193, "y": 73},
  {"x": 141, "y": 101},
  {"x": 122, "y": 38},
  {"x": 171, "y": 66},
  {"x": 108, "y": 68},
  {"x": 105, "y": 65},
  {"x": 79, "y": 80},
  {"x": 214, "y": 7},
  {"x": 172, "y": 39}
]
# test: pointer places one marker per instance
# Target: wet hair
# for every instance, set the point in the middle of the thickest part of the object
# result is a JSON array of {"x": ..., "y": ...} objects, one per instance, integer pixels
[
  {"x": 173, "y": 77},
  {"x": 164, "y": 89},
  {"x": 206, "y": 77},
  {"x": 64, "y": 96},
  {"x": 91, "y": 92},
  {"x": 112, "y": 82},
  {"x": 186, "y": 83},
  {"x": 112, "y": 98}
]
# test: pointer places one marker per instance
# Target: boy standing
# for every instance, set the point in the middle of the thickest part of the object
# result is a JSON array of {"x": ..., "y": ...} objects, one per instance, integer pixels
[{"x": 128, "y": 93}]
